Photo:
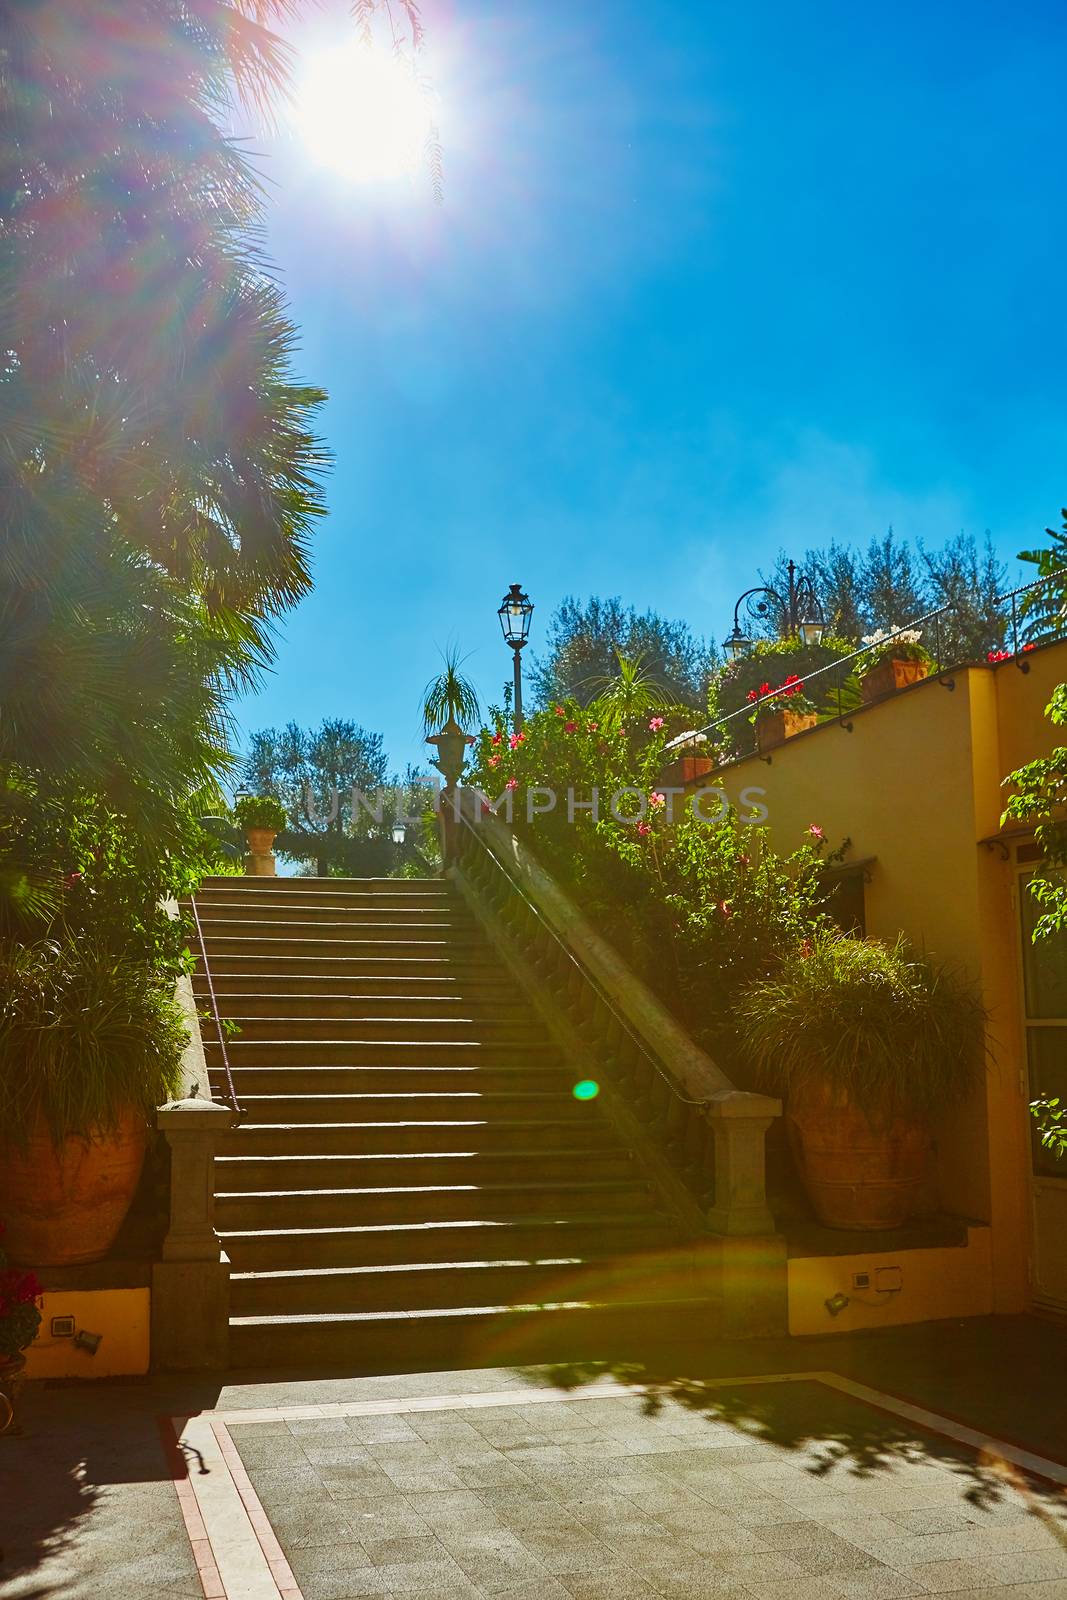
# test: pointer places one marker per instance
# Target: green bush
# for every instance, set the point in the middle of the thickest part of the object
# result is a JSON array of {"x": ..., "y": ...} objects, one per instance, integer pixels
[
  {"x": 84, "y": 1034},
  {"x": 260, "y": 811},
  {"x": 894, "y": 1032}
]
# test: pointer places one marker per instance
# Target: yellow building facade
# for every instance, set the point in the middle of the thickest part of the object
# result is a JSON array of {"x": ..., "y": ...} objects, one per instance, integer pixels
[{"x": 915, "y": 782}]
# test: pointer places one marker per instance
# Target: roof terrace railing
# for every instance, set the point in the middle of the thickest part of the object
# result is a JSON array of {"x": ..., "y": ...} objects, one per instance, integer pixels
[{"x": 842, "y": 665}]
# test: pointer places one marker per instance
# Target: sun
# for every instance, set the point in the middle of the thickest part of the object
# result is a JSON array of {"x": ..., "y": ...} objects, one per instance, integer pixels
[{"x": 363, "y": 114}]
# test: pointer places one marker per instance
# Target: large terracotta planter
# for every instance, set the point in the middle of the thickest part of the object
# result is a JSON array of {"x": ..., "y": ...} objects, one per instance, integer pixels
[
  {"x": 692, "y": 767},
  {"x": 775, "y": 727},
  {"x": 890, "y": 675},
  {"x": 66, "y": 1205},
  {"x": 857, "y": 1174}
]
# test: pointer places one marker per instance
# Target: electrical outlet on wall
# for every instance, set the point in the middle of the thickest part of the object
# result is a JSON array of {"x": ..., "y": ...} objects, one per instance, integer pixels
[
  {"x": 62, "y": 1327},
  {"x": 861, "y": 1280},
  {"x": 889, "y": 1280}
]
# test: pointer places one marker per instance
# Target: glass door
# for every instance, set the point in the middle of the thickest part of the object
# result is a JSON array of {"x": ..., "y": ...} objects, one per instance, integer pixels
[{"x": 1044, "y": 969}]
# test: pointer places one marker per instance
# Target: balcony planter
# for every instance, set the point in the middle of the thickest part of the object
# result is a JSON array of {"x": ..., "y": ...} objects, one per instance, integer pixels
[
  {"x": 774, "y": 727},
  {"x": 892, "y": 661},
  {"x": 890, "y": 674}
]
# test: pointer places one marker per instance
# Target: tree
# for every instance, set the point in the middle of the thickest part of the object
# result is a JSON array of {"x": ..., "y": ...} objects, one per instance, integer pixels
[
  {"x": 314, "y": 772},
  {"x": 584, "y": 642},
  {"x": 970, "y": 580}
]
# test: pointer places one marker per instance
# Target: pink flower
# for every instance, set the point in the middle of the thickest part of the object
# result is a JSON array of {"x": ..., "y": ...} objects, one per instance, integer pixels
[
  {"x": 560, "y": 711},
  {"x": 512, "y": 783},
  {"x": 657, "y": 800},
  {"x": 494, "y": 761},
  {"x": 816, "y": 832},
  {"x": 570, "y": 727},
  {"x": 743, "y": 861},
  {"x": 517, "y": 739},
  {"x": 655, "y": 724},
  {"x": 593, "y": 726},
  {"x": 498, "y": 737},
  {"x": 643, "y": 829}
]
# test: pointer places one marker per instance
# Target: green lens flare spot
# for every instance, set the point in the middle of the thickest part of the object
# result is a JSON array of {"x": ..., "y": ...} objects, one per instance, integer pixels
[{"x": 586, "y": 1090}]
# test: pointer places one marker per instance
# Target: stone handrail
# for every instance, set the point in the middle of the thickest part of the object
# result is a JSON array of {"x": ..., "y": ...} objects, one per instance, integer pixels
[{"x": 712, "y": 1133}]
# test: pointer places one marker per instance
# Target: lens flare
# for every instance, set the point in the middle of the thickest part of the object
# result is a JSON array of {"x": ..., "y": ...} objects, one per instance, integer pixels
[
  {"x": 587, "y": 1089},
  {"x": 363, "y": 113}
]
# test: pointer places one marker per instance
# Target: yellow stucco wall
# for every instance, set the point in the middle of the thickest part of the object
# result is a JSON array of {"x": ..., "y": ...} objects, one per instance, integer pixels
[
  {"x": 121, "y": 1315},
  {"x": 917, "y": 784},
  {"x": 934, "y": 1283}
]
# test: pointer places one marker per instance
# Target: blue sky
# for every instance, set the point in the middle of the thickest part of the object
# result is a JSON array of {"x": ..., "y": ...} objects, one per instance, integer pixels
[{"x": 709, "y": 280}]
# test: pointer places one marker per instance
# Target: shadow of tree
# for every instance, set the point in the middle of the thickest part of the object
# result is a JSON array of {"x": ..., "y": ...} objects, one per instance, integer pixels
[{"x": 837, "y": 1434}]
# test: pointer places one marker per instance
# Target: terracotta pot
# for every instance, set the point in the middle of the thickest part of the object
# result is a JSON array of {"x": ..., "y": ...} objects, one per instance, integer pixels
[
  {"x": 890, "y": 675},
  {"x": 857, "y": 1174},
  {"x": 261, "y": 840},
  {"x": 691, "y": 767},
  {"x": 775, "y": 727},
  {"x": 66, "y": 1205}
]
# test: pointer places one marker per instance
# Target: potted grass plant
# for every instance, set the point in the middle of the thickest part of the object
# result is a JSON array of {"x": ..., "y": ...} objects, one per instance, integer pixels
[
  {"x": 780, "y": 713},
  {"x": 867, "y": 1043},
  {"x": 449, "y": 700},
  {"x": 262, "y": 816},
  {"x": 893, "y": 659},
  {"x": 90, "y": 1044}
]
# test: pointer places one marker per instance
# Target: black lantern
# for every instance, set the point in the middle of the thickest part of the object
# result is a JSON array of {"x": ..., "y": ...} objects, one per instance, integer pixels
[
  {"x": 515, "y": 611},
  {"x": 797, "y": 614}
]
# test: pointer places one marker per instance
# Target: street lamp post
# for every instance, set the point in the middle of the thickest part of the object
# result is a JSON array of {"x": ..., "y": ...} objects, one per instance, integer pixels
[
  {"x": 798, "y": 612},
  {"x": 515, "y": 611}
]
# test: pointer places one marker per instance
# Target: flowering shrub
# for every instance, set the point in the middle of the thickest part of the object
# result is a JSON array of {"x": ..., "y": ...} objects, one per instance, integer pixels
[
  {"x": 260, "y": 811},
  {"x": 892, "y": 644},
  {"x": 769, "y": 661},
  {"x": 1005, "y": 655},
  {"x": 19, "y": 1316}
]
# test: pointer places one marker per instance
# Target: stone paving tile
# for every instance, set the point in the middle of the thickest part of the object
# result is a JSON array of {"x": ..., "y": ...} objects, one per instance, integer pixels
[
  {"x": 945, "y": 1576},
  {"x": 877, "y": 1583},
  {"x": 567, "y": 1549},
  {"x": 494, "y": 1560},
  {"x": 615, "y": 1583}
]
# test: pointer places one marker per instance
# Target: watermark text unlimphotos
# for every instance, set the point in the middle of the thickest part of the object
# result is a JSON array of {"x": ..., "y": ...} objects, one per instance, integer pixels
[{"x": 629, "y": 805}]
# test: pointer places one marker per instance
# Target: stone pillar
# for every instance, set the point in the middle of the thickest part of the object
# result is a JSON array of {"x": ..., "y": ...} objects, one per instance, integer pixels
[
  {"x": 258, "y": 865},
  {"x": 739, "y": 1124},
  {"x": 191, "y": 1284}
]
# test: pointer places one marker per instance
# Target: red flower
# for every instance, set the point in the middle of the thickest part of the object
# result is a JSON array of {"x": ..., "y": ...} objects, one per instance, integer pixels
[
  {"x": 792, "y": 684},
  {"x": 560, "y": 711},
  {"x": 724, "y": 911},
  {"x": 593, "y": 726},
  {"x": 498, "y": 737},
  {"x": 570, "y": 727},
  {"x": 757, "y": 694},
  {"x": 71, "y": 879},
  {"x": 816, "y": 832},
  {"x": 999, "y": 655},
  {"x": 1029, "y": 647},
  {"x": 643, "y": 829},
  {"x": 512, "y": 783}
]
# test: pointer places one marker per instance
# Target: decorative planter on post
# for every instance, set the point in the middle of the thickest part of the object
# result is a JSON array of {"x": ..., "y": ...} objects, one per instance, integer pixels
[
  {"x": 775, "y": 727},
  {"x": 191, "y": 1285},
  {"x": 451, "y": 744},
  {"x": 889, "y": 675},
  {"x": 261, "y": 861}
]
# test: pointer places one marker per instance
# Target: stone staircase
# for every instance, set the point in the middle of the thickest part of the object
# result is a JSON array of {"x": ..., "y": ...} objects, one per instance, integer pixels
[{"x": 414, "y": 1184}]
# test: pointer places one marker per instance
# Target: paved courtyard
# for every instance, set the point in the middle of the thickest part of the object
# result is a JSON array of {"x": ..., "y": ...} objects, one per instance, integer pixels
[{"x": 795, "y": 1482}]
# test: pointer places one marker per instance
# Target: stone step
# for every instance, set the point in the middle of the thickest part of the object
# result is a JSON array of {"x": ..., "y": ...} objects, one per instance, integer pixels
[
  {"x": 455, "y": 1007},
  {"x": 411, "y": 1052},
  {"x": 483, "y": 1336},
  {"x": 484, "y": 1032},
  {"x": 381, "y": 1078},
  {"x": 248, "y": 977},
  {"x": 504, "y": 1108},
  {"x": 267, "y": 1174},
  {"x": 342, "y": 899},
  {"x": 448, "y": 1285},
  {"x": 274, "y": 966},
  {"x": 395, "y": 1137},
  {"x": 375, "y": 912},
  {"x": 358, "y": 1207},
  {"x": 418, "y": 929},
  {"x": 303, "y": 885},
  {"x": 262, "y": 941},
  {"x": 523, "y": 1238}
]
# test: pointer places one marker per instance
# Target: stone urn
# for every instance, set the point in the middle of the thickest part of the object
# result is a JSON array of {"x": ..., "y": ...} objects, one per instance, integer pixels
[
  {"x": 262, "y": 862},
  {"x": 858, "y": 1174}
]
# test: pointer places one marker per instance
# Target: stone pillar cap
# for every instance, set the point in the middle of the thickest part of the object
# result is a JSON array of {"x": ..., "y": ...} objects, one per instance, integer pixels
[{"x": 195, "y": 1109}]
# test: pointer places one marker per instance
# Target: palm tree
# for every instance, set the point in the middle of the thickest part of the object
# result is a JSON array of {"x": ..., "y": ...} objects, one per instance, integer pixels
[{"x": 628, "y": 696}]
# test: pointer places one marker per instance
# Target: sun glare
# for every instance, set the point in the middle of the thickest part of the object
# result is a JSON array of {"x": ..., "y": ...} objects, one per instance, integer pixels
[{"x": 362, "y": 113}]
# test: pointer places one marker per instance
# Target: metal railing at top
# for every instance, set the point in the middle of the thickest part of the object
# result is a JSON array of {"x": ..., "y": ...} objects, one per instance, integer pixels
[
  {"x": 582, "y": 970},
  {"x": 231, "y": 1092},
  {"x": 841, "y": 666}
]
